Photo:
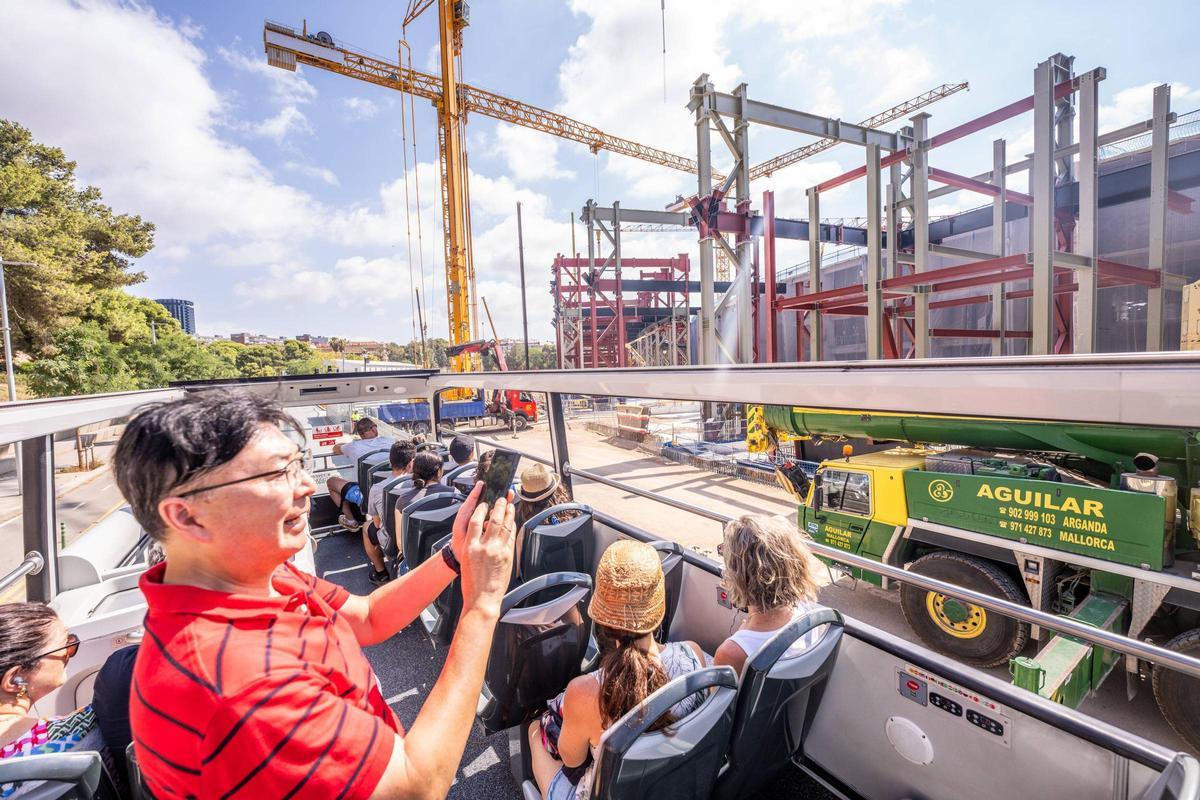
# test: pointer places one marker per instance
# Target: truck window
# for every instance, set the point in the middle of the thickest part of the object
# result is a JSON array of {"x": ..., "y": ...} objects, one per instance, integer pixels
[
  {"x": 525, "y": 397},
  {"x": 846, "y": 491}
]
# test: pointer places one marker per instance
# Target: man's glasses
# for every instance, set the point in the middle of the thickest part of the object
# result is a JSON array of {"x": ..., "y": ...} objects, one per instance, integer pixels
[
  {"x": 70, "y": 648},
  {"x": 294, "y": 469}
]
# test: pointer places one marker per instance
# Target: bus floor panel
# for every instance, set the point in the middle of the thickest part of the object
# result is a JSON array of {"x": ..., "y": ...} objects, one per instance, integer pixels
[{"x": 408, "y": 665}]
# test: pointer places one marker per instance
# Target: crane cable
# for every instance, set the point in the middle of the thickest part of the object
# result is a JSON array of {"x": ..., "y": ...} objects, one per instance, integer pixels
[
  {"x": 417, "y": 182},
  {"x": 407, "y": 210}
]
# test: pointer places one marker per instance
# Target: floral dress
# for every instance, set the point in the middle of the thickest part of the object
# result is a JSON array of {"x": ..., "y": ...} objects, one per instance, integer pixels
[{"x": 75, "y": 731}]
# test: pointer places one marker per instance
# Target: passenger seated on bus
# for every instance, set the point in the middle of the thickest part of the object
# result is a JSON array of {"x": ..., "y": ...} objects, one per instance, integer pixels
[
  {"x": 251, "y": 679},
  {"x": 461, "y": 450},
  {"x": 540, "y": 489},
  {"x": 627, "y": 606},
  {"x": 35, "y": 647},
  {"x": 767, "y": 574},
  {"x": 426, "y": 480},
  {"x": 346, "y": 494},
  {"x": 400, "y": 459}
]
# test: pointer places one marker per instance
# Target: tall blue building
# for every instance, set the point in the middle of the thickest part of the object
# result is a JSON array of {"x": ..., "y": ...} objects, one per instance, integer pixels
[{"x": 182, "y": 310}]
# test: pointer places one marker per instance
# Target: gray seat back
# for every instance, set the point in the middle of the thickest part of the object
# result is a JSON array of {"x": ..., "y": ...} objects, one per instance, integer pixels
[
  {"x": 390, "y": 493},
  {"x": 75, "y": 775},
  {"x": 424, "y": 522},
  {"x": 363, "y": 471},
  {"x": 137, "y": 787},
  {"x": 776, "y": 702},
  {"x": 537, "y": 649},
  {"x": 461, "y": 478},
  {"x": 678, "y": 761},
  {"x": 567, "y": 546}
]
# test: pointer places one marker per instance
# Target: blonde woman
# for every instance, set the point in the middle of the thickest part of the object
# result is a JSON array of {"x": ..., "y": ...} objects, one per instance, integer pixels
[{"x": 767, "y": 574}]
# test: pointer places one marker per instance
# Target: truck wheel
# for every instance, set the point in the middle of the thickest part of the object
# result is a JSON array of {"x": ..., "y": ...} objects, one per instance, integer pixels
[
  {"x": 420, "y": 429},
  {"x": 1178, "y": 695},
  {"x": 969, "y": 633},
  {"x": 522, "y": 422}
]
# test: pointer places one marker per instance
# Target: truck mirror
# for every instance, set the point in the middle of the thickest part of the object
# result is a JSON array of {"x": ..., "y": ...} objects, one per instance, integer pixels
[{"x": 817, "y": 482}]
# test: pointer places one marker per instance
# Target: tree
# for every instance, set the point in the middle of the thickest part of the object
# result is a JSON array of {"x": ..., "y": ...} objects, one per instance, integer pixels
[
  {"x": 260, "y": 360},
  {"x": 540, "y": 357},
  {"x": 79, "y": 244},
  {"x": 337, "y": 344}
]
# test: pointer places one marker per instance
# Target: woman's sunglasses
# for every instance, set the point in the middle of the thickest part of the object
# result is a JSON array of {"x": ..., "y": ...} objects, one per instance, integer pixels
[{"x": 70, "y": 648}]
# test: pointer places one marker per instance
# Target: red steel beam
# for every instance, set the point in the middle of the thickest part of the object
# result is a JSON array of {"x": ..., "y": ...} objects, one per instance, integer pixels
[
  {"x": 966, "y": 129},
  {"x": 973, "y": 185},
  {"x": 1129, "y": 274}
]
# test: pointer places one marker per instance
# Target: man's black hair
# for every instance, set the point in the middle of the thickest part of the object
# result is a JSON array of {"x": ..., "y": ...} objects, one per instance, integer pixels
[
  {"x": 363, "y": 425},
  {"x": 461, "y": 449},
  {"x": 401, "y": 454},
  {"x": 169, "y": 444}
]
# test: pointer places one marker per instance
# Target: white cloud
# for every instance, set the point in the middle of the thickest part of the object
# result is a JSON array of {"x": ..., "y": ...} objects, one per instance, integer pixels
[
  {"x": 323, "y": 174},
  {"x": 289, "y": 120},
  {"x": 359, "y": 108},
  {"x": 530, "y": 155},
  {"x": 286, "y": 88},
  {"x": 171, "y": 165},
  {"x": 804, "y": 20},
  {"x": 1136, "y": 103}
]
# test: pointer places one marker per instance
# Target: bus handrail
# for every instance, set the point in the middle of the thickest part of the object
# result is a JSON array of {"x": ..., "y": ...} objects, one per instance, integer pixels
[
  {"x": 32, "y": 564},
  {"x": 1063, "y": 625}
]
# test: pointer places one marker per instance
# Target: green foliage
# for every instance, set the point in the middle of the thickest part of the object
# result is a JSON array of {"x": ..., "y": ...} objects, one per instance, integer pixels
[
  {"x": 79, "y": 244},
  {"x": 540, "y": 357}
]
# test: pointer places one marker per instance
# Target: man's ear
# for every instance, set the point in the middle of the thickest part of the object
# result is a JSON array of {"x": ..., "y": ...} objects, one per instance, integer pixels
[
  {"x": 179, "y": 515},
  {"x": 12, "y": 680}
]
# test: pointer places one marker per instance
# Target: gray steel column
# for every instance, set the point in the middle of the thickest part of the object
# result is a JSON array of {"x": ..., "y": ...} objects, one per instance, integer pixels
[
  {"x": 701, "y": 93},
  {"x": 1159, "y": 139},
  {"x": 1087, "y": 278},
  {"x": 9, "y": 368},
  {"x": 38, "y": 515},
  {"x": 1041, "y": 216},
  {"x": 895, "y": 223},
  {"x": 999, "y": 180},
  {"x": 814, "y": 272},
  {"x": 622, "y": 332},
  {"x": 745, "y": 250},
  {"x": 920, "y": 197},
  {"x": 874, "y": 256},
  {"x": 558, "y": 437}
]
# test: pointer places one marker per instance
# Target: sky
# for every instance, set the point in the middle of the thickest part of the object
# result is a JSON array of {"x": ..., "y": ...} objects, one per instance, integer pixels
[{"x": 286, "y": 203}]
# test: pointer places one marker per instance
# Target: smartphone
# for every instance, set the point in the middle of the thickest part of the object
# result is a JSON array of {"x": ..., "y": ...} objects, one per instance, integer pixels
[{"x": 499, "y": 476}]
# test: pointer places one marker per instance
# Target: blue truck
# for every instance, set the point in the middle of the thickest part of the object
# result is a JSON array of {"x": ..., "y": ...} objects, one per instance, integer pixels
[{"x": 518, "y": 408}]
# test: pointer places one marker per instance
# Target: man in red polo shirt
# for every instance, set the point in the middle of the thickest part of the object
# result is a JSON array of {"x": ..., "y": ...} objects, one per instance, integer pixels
[{"x": 251, "y": 681}]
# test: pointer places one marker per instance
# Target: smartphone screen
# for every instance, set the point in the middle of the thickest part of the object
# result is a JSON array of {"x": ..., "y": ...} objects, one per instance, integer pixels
[{"x": 499, "y": 476}]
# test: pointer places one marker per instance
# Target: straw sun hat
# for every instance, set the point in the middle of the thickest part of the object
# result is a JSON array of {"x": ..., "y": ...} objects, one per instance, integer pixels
[
  {"x": 630, "y": 593},
  {"x": 537, "y": 483}
]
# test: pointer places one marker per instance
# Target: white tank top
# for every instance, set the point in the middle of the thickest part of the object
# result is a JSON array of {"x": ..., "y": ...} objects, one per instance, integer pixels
[{"x": 752, "y": 641}]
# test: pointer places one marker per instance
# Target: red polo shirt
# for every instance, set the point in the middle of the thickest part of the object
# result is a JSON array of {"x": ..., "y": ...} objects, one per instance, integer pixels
[{"x": 256, "y": 697}]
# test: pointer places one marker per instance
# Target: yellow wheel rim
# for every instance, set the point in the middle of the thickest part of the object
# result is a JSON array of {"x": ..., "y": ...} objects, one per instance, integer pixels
[{"x": 956, "y": 618}]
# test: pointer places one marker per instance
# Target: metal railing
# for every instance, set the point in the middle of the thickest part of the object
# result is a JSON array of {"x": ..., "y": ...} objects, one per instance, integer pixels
[
  {"x": 31, "y": 565},
  {"x": 1063, "y": 625}
]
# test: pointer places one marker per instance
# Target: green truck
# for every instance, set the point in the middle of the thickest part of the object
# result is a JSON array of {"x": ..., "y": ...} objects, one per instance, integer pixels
[{"x": 1094, "y": 522}]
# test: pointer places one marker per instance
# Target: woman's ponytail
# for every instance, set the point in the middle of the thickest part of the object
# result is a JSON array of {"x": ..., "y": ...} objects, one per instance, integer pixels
[{"x": 630, "y": 675}]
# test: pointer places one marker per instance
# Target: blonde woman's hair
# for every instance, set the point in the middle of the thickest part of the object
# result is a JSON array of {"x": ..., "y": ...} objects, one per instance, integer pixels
[{"x": 766, "y": 563}]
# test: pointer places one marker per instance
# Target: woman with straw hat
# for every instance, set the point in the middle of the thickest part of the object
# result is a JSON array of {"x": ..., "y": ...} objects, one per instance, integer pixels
[
  {"x": 627, "y": 607},
  {"x": 540, "y": 489}
]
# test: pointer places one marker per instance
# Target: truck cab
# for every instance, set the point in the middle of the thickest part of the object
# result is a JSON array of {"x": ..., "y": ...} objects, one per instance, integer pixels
[{"x": 857, "y": 503}]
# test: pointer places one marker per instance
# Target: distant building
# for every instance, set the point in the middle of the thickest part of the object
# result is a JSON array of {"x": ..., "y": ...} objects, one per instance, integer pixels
[
  {"x": 182, "y": 310},
  {"x": 240, "y": 338}
]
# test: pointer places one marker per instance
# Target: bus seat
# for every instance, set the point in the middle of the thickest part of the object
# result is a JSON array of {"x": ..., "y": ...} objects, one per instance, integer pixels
[
  {"x": 537, "y": 648},
  {"x": 568, "y": 546},
  {"x": 390, "y": 494},
  {"x": 424, "y": 522},
  {"x": 461, "y": 478},
  {"x": 363, "y": 470},
  {"x": 72, "y": 775},
  {"x": 680, "y": 761},
  {"x": 776, "y": 702},
  {"x": 671, "y": 554},
  {"x": 1179, "y": 781},
  {"x": 447, "y": 606}
]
